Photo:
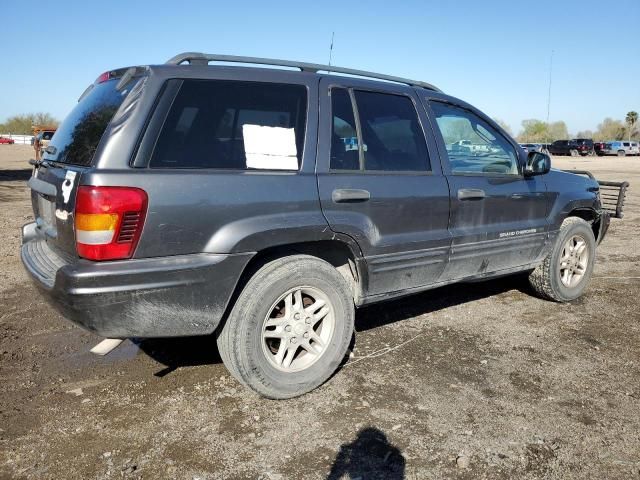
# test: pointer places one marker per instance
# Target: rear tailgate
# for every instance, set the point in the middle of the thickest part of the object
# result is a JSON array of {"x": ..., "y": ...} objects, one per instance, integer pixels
[
  {"x": 69, "y": 154},
  {"x": 53, "y": 197}
]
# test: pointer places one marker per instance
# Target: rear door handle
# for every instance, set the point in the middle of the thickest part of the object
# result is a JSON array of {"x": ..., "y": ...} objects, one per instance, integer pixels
[
  {"x": 471, "y": 194},
  {"x": 348, "y": 195}
]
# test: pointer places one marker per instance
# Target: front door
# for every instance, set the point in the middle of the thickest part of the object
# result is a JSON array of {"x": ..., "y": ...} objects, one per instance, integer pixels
[
  {"x": 498, "y": 216},
  {"x": 379, "y": 184}
]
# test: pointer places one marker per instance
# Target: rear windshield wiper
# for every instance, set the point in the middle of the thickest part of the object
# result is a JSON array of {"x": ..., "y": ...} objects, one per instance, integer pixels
[{"x": 46, "y": 163}]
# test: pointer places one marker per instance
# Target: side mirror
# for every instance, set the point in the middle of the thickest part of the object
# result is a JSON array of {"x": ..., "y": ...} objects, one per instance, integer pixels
[{"x": 537, "y": 164}]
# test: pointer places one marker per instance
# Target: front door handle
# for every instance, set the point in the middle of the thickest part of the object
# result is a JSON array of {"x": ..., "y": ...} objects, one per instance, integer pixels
[
  {"x": 471, "y": 194},
  {"x": 349, "y": 195}
]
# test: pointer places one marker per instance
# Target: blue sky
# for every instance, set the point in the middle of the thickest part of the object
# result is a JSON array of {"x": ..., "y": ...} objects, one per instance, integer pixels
[{"x": 493, "y": 54}]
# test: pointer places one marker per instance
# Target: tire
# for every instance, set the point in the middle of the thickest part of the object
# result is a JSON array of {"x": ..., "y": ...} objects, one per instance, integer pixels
[
  {"x": 267, "y": 317},
  {"x": 574, "y": 153},
  {"x": 621, "y": 153},
  {"x": 548, "y": 280}
]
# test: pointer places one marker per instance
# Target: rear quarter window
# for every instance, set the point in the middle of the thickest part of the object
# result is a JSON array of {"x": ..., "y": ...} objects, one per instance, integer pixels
[{"x": 234, "y": 125}]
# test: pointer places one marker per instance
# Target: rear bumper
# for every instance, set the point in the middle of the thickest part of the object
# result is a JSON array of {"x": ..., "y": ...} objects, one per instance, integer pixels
[{"x": 154, "y": 297}]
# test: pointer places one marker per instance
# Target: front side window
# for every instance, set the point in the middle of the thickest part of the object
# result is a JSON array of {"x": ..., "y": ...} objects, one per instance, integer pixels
[
  {"x": 233, "y": 125},
  {"x": 473, "y": 146}
]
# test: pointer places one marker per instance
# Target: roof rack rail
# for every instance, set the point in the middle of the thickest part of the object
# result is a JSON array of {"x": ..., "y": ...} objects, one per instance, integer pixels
[{"x": 195, "y": 58}]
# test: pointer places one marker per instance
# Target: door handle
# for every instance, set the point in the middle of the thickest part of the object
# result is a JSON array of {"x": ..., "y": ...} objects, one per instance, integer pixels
[
  {"x": 471, "y": 194},
  {"x": 348, "y": 195}
]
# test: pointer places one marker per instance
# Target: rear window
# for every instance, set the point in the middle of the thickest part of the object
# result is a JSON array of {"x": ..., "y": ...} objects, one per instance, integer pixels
[
  {"x": 233, "y": 125},
  {"x": 77, "y": 138}
]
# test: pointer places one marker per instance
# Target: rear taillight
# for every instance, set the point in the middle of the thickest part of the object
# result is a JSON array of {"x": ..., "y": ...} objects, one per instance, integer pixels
[{"x": 109, "y": 221}]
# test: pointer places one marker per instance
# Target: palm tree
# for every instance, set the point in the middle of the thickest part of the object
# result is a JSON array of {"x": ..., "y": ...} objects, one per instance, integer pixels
[{"x": 631, "y": 119}]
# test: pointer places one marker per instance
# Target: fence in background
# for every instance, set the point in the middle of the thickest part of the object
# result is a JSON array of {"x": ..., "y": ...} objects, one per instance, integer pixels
[{"x": 19, "y": 139}]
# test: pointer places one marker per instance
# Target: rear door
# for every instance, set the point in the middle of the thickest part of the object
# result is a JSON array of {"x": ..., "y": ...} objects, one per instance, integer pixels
[
  {"x": 498, "y": 217},
  {"x": 70, "y": 153},
  {"x": 380, "y": 182}
]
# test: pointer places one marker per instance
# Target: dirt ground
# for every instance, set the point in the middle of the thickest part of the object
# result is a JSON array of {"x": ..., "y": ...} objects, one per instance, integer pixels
[{"x": 470, "y": 381}]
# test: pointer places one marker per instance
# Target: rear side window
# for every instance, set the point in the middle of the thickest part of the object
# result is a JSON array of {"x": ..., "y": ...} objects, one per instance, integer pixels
[
  {"x": 77, "y": 138},
  {"x": 233, "y": 125},
  {"x": 344, "y": 138},
  {"x": 391, "y": 138}
]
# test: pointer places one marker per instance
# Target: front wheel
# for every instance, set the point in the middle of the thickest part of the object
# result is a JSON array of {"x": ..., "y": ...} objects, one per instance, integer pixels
[
  {"x": 565, "y": 273},
  {"x": 290, "y": 327}
]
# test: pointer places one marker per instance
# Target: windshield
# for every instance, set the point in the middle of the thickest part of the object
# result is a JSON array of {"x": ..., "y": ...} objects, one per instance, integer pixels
[{"x": 77, "y": 138}]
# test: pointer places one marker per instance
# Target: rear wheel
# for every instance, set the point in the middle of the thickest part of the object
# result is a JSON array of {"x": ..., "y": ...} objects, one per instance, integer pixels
[
  {"x": 289, "y": 328},
  {"x": 565, "y": 273},
  {"x": 621, "y": 153},
  {"x": 574, "y": 153}
]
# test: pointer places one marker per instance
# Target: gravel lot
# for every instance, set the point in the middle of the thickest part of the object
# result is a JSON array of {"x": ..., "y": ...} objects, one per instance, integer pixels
[{"x": 470, "y": 381}]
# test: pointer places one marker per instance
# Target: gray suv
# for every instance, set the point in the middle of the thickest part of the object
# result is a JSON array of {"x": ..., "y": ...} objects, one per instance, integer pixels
[{"x": 263, "y": 205}]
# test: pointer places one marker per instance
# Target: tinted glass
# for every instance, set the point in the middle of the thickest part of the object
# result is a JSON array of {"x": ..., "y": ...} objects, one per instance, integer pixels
[
  {"x": 344, "y": 137},
  {"x": 473, "y": 146},
  {"x": 78, "y": 136},
  {"x": 233, "y": 125},
  {"x": 391, "y": 134}
]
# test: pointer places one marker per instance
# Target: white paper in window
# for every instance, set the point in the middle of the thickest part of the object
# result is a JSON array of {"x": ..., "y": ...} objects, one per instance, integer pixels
[{"x": 271, "y": 148}]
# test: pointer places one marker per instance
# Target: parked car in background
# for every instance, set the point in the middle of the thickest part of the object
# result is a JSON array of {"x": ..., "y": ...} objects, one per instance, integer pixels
[
  {"x": 140, "y": 230},
  {"x": 575, "y": 147},
  {"x": 585, "y": 146},
  {"x": 622, "y": 148},
  {"x": 600, "y": 148},
  {"x": 532, "y": 147},
  {"x": 41, "y": 142},
  {"x": 7, "y": 141}
]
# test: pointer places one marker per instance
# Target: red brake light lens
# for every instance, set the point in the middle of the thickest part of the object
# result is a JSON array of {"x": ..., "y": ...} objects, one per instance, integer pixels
[
  {"x": 103, "y": 77},
  {"x": 109, "y": 221}
]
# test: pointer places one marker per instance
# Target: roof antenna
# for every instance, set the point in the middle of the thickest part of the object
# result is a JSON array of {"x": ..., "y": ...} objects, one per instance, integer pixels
[
  {"x": 331, "y": 49},
  {"x": 549, "y": 92}
]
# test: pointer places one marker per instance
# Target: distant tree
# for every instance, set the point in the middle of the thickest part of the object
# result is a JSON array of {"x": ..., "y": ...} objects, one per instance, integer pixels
[
  {"x": 21, "y": 124},
  {"x": 558, "y": 131},
  {"x": 631, "y": 119},
  {"x": 533, "y": 131},
  {"x": 584, "y": 134},
  {"x": 504, "y": 125},
  {"x": 609, "y": 129}
]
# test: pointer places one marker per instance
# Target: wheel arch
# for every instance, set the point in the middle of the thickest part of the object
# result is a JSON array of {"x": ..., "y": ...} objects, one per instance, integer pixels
[
  {"x": 590, "y": 216},
  {"x": 342, "y": 252}
]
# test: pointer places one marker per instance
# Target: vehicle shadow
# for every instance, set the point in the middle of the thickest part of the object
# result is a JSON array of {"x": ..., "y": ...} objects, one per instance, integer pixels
[
  {"x": 180, "y": 352},
  {"x": 370, "y": 455}
]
